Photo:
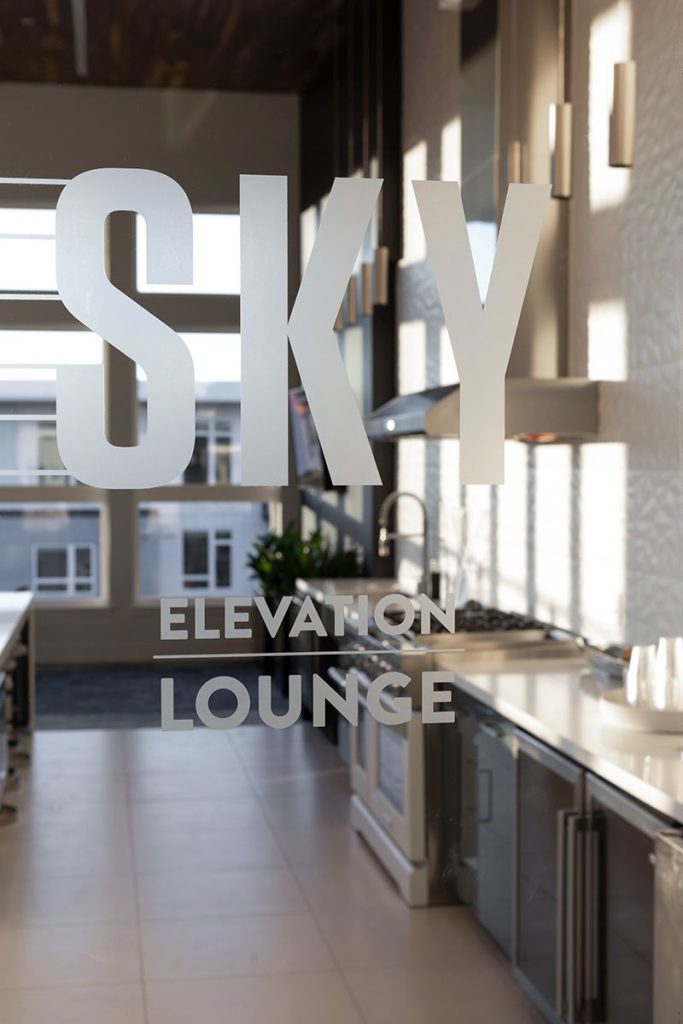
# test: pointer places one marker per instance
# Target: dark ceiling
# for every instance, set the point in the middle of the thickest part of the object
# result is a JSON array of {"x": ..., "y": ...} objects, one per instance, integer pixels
[{"x": 245, "y": 45}]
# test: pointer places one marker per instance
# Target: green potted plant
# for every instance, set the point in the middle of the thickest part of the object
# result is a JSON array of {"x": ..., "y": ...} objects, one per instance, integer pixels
[{"x": 278, "y": 560}]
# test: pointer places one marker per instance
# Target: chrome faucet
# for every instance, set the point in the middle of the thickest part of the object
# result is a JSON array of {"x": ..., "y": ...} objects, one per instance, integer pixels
[{"x": 385, "y": 536}]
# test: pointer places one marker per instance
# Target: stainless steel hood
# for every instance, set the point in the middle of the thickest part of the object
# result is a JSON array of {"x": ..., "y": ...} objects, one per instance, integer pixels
[{"x": 555, "y": 410}]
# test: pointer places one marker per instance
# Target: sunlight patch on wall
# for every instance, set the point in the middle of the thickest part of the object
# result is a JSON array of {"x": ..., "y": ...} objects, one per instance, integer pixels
[
  {"x": 608, "y": 340},
  {"x": 512, "y": 530},
  {"x": 448, "y": 370},
  {"x": 414, "y": 169},
  {"x": 603, "y": 540},
  {"x": 553, "y": 534},
  {"x": 410, "y": 477},
  {"x": 451, "y": 150},
  {"x": 412, "y": 356}
]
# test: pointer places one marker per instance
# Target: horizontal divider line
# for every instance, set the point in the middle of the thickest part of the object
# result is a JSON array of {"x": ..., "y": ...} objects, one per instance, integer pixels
[
  {"x": 35, "y": 181},
  {"x": 306, "y": 654},
  {"x": 30, "y": 296}
]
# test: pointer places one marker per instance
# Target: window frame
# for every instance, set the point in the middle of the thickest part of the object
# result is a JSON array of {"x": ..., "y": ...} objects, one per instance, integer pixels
[
  {"x": 71, "y": 579},
  {"x": 119, "y": 577}
]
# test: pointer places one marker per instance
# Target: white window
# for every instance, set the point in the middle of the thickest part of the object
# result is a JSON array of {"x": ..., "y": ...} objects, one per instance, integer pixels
[
  {"x": 207, "y": 559},
  {"x": 210, "y": 462},
  {"x": 216, "y": 256},
  {"x": 64, "y": 569}
]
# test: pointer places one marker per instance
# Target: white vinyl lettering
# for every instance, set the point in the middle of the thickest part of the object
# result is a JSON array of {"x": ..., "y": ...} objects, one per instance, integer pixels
[
  {"x": 86, "y": 291},
  {"x": 481, "y": 337},
  {"x": 264, "y": 330}
]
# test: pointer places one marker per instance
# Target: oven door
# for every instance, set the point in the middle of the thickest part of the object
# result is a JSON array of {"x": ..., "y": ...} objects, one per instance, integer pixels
[
  {"x": 396, "y": 768},
  {"x": 362, "y": 739}
]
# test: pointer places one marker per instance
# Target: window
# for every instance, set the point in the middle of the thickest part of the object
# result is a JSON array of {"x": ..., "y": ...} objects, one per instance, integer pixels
[
  {"x": 211, "y": 461},
  {"x": 197, "y": 546},
  {"x": 52, "y": 548},
  {"x": 216, "y": 256},
  {"x": 49, "y": 462},
  {"x": 67, "y": 569},
  {"x": 207, "y": 559}
]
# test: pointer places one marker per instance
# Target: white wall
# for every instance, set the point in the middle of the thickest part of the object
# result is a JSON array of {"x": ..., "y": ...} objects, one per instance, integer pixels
[{"x": 591, "y": 536}]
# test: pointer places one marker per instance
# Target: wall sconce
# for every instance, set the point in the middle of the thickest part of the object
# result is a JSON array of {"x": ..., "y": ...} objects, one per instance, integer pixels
[
  {"x": 622, "y": 125},
  {"x": 366, "y": 289},
  {"x": 515, "y": 162},
  {"x": 352, "y": 302},
  {"x": 382, "y": 275},
  {"x": 560, "y": 128}
]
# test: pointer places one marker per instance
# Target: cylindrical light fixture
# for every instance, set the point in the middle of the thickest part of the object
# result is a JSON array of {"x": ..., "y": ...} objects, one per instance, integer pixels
[
  {"x": 515, "y": 162},
  {"x": 622, "y": 125},
  {"x": 382, "y": 275},
  {"x": 366, "y": 289},
  {"x": 352, "y": 302},
  {"x": 560, "y": 121},
  {"x": 561, "y": 150}
]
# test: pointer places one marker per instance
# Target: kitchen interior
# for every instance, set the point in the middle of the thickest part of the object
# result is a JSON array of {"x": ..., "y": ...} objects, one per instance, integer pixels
[{"x": 524, "y": 861}]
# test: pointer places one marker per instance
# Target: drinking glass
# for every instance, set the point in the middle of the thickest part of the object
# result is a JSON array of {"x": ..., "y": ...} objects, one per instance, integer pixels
[
  {"x": 639, "y": 676},
  {"x": 668, "y": 677}
]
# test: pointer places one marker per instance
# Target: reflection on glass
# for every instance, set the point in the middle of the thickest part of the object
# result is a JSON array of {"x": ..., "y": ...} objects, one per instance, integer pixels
[
  {"x": 50, "y": 549},
  {"x": 197, "y": 547}
]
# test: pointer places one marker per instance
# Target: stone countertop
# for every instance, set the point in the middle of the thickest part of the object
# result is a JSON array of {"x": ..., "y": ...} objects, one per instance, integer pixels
[{"x": 557, "y": 702}]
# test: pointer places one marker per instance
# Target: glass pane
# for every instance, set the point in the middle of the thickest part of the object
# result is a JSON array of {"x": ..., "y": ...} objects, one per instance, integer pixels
[
  {"x": 223, "y": 565},
  {"x": 197, "y": 470},
  {"x": 195, "y": 553},
  {"x": 51, "y": 562},
  {"x": 40, "y": 546},
  {"x": 392, "y": 766},
  {"x": 83, "y": 562},
  {"x": 27, "y": 250},
  {"x": 216, "y": 253},
  {"x": 222, "y": 569}
]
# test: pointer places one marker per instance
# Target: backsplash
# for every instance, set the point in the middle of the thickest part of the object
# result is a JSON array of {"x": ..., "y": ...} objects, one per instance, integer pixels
[{"x": 588, "y": 536}]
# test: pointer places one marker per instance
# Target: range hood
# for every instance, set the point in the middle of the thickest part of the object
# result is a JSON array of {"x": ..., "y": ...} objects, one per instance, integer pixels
[{"x": 561, "y": 409}]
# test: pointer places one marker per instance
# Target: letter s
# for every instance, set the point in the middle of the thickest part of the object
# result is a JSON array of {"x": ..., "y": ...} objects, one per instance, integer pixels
[{"x": 89, "y": 295}]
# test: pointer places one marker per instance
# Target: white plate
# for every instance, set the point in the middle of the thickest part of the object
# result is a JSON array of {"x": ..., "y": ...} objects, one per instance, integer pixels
[{"x": 620, "y": 715}]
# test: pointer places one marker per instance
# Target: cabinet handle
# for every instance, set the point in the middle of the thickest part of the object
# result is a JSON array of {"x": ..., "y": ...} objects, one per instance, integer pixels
[{"x": 485, "y": 818}]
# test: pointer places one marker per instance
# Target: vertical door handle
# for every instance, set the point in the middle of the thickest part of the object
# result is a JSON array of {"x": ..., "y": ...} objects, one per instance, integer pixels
[
  {"x": 569, "y": 936},
  {"x": 484, "y": 817}
]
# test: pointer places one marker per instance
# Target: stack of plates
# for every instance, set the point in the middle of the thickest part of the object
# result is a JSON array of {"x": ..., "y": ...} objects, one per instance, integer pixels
[{"x": 616, "y": 712}]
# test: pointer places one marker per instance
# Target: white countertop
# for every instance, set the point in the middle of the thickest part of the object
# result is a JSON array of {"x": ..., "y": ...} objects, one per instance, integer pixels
[
  {"x": 14, "y": 606},
  {"x": 557, "y": 702}
]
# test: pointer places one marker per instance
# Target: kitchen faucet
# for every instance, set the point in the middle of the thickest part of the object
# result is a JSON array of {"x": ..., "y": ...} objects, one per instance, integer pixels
[{"x": 385, "y": 536}]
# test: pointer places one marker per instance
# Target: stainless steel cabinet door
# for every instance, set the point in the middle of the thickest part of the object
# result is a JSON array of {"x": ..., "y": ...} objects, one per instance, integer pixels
[
  {"x": 668, "y": 971},
  {"x": 495, "y": 832},
  {"x": 549, "y": 803}
]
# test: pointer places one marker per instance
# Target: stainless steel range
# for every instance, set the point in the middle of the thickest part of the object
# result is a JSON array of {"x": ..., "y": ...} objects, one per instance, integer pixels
[{"x": 403, "y": 803}]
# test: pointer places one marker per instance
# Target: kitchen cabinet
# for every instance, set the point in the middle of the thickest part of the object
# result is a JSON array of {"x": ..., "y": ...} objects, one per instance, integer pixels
[
  {"x": 668, "y": 972},
  {"x": 549, "y": 808},
  {"x": 619, "y": 916},
  {"x": 495, "y": 745}
]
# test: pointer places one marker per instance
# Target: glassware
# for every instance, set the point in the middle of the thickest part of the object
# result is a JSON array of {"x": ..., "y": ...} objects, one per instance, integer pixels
[
  {"x": 640, "y": 676},
  {"x": 668, "y": 675}
]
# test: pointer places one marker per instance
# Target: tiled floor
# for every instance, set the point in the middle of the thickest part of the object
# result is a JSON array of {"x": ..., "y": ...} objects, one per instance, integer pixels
[{"x": 164, "y": 878}]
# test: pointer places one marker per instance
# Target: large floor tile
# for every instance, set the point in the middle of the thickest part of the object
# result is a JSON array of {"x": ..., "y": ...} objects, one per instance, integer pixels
[
  {"x": 256, "y": 944},
  {"x": 319, "y": 801},
  {"x": 68, "y": 955},
  {"x": 77, "y": 752},
  {"x": 286, "y": 999},
  {"x": 37, "y": 898},
  {"x": 216, "y": 848},
  {"x": 190, "y": 783},
  {"x": 241, "y": 811},
  {"x": 117, "y": 1004},
  {"x": 337, "y": 884},
  {"x": 362, "y": 936},
  {"x": 175, "y": 895},
  {"x": 452, "y": 995},
  {"x": 311, "y": 844},
  {"x": 151, "y": 750},
  {"x": 40, "y": 847}
]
